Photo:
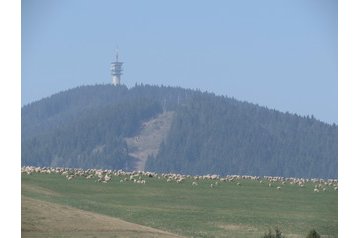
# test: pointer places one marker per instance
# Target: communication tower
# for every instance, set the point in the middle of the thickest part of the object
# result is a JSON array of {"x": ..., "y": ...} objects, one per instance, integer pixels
[{"x": 116, "y": 71}]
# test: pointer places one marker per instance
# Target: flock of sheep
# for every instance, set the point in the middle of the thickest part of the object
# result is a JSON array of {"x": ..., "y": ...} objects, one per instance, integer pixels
[{"x": 139, "y": 177}]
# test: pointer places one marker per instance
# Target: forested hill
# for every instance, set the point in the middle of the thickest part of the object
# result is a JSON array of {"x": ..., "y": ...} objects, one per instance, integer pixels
[{"x": 88, "y": 127}]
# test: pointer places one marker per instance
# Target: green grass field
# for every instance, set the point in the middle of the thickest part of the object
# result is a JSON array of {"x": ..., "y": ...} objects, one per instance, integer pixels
[{"x": 226, "y": 210}]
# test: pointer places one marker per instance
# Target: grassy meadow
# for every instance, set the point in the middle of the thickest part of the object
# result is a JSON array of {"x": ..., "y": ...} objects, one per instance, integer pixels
[{"x": 224, "y": 210}]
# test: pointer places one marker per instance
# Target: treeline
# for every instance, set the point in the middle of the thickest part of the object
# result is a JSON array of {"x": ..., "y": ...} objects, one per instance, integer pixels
[
  {"x": 219, "y": 135},
  {"x": 86, "y": 126},
  {"x": 94, "y": 139},
  {"x": 62, "y": 108}
]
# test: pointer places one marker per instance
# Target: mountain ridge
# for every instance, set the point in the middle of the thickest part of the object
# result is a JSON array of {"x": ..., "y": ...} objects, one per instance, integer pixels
[{"x": 89, "y": 126}]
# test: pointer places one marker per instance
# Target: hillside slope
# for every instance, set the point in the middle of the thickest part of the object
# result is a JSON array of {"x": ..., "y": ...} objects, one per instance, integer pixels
[
  {"x": 219, "y": 135},
  {"x": 110, "y": 127},
  {"x": 86, "y": 126}
]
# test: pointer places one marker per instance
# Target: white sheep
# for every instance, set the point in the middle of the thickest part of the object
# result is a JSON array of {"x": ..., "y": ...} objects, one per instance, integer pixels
[{"x": 107, "y": 178}]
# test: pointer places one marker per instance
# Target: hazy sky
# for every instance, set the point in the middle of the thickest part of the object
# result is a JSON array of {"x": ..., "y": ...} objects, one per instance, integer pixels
[{"x": 280, "y": 54}]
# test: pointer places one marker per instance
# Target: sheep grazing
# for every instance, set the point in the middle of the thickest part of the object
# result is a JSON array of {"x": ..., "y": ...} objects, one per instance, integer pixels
[
  {"x": 316, "y": 190},
  {"x": 180, "y": 180},
  {"x": 105, "y": 176}
]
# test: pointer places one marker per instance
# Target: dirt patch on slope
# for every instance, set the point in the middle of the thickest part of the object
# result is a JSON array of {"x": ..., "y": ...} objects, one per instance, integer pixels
[{"x": 147, "y": 141}]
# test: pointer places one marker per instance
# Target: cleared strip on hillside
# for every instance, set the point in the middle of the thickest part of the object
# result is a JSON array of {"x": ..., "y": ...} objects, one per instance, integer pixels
[{"x": 147, "y": 141}]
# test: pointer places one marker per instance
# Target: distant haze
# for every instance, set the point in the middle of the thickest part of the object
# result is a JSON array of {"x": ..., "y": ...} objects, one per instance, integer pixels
[{"x": 280, "y": 54}]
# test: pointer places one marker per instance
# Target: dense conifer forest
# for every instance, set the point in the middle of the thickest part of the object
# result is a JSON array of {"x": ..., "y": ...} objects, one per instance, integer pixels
[{"x": 87, "y": 126}]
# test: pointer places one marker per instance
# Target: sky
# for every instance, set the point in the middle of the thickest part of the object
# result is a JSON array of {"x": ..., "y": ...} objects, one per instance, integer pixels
[{"x": 280, "y": 54}]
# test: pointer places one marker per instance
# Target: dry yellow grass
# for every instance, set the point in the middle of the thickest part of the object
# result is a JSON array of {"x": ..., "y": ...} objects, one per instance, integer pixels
[{"x": 44, "y": 219}]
